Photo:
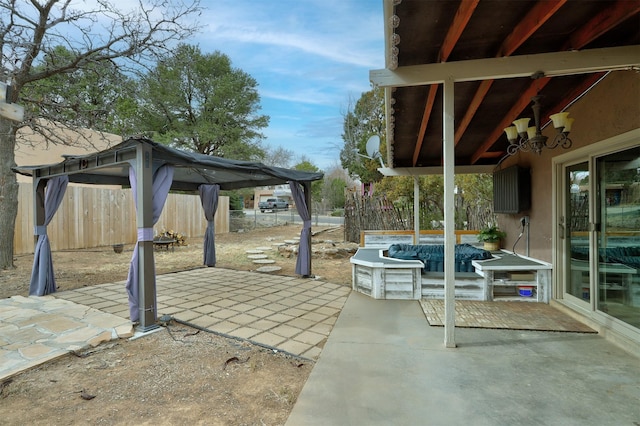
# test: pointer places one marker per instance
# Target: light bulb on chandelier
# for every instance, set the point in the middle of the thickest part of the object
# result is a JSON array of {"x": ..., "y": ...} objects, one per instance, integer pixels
[{"x": 524, "y": 138}]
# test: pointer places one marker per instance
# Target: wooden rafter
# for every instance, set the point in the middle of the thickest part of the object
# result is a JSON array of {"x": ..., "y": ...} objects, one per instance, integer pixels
[
  {"x": 578, "y": 91},
  {"x": 460, "y": 21},
  {"x": 598, "y": 25},
  {"x": 431, "y": 97},
  {"x": 603, "y": 22},
  {"x": 515, "y": 110},
  {"x": 537, "y": 16}
]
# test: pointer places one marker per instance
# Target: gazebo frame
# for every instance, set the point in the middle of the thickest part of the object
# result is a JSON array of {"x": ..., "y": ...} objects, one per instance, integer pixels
[{"x": 190, "y": 171}]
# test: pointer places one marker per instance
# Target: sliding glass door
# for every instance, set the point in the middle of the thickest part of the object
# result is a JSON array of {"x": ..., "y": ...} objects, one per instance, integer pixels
[
  {"x": 600, "y": 234},
  {"x": 575, "y": 223},
  {"x": 618, "y": 235}
]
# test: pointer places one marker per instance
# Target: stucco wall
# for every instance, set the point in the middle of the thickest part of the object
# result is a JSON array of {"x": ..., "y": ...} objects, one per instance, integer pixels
[{"x": 609, "y": 109}]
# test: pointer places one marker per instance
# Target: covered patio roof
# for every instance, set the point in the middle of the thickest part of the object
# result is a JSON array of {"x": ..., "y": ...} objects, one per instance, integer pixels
[
  {"x": 492, "y": 49},
  {"x": 457, "y": 72}
]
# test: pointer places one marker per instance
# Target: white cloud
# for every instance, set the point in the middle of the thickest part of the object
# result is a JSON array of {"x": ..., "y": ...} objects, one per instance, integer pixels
[
  {"x": 311, "y": 59},
  {"x": 322, "y": 28}
]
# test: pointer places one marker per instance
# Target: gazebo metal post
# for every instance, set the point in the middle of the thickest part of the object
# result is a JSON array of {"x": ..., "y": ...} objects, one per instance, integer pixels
[
  {"x": 306, "y": 186},
  {"x": 38, "y": 203},
  {"x": 144, "y": 216}
]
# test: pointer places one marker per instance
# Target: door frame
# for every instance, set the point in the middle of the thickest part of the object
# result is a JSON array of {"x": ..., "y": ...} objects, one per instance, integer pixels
[{"x": 589, "y": 154}]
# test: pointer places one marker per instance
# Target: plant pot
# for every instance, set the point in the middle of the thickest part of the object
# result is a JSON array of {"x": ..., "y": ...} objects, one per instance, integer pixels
[
  {"x": 492, "y": 245},
  {"x": 118, "y": 248}
]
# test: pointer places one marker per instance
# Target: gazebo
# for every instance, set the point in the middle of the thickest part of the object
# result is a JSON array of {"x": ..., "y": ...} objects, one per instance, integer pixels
[{"x": 152, "y": 170}]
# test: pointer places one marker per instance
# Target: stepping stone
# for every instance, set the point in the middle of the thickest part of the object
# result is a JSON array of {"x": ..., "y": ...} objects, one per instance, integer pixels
[
  {"x": 291, "y": 241},
  {"x": 264, "y": 248},
  {"x": 257, "y": 256},
  {"x": 264, "y": 261},
  {"x": 268, "y": 269},
  {"x": 256, "y": 251}
]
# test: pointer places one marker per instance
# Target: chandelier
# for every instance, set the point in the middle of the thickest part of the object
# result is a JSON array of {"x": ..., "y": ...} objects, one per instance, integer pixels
[{"x": 524, "y": 138}]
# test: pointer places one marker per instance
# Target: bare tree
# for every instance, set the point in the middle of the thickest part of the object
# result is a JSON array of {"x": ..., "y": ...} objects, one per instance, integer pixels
[
  {"x": 93, "y": 32},
  {"x": 278, "y": 157}
]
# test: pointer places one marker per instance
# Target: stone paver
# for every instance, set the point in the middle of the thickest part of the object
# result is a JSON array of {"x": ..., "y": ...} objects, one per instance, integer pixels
[
  {"x": 266, "y": 309},
  {"x": 269, "y": 269},
  {"x": 37, "y": 329}
]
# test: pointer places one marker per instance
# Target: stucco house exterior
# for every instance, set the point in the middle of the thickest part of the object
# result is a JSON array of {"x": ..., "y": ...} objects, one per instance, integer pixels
[{"x": 457, "y": 73}]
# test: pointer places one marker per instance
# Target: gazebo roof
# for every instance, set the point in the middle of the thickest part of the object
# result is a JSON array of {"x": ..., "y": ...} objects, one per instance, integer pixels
[{"x": 111, "y": 167}]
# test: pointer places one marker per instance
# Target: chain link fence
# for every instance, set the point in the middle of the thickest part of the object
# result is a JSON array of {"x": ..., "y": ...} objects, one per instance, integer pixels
[{"x": 251, "y": 219}]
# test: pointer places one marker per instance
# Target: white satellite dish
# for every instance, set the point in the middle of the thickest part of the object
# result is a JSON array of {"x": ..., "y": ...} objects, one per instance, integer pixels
[
  {"x": 373, "y": 146},
  {"x": 373, "y": 149}
]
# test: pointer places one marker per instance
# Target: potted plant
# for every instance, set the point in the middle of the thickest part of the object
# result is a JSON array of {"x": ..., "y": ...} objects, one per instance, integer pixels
[{"x": 491, "y": 236}]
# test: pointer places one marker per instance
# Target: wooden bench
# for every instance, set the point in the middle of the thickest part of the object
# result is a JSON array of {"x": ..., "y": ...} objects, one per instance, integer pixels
[{"x": 382, "y": 277}]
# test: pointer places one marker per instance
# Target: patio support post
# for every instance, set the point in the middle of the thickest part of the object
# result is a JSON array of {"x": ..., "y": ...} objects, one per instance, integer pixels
[
  {"x": 144, "y": 215},
  {"x": 416, "y": 209},
  {"x": 448, "y": 146}
]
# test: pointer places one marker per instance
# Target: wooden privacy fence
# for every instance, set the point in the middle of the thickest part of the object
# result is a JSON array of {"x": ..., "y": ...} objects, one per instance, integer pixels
[{"x": 94, "y": 217}]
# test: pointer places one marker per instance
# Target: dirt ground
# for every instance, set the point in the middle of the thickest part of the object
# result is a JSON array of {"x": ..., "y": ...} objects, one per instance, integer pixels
[{"x": 178, "y": 375}]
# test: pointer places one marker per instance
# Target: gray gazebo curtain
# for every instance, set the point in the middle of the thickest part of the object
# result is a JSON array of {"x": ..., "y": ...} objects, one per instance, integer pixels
[
  {"x": 162, "y": 179},
  {"x": 209, "y": 199},
  {"x": 42, "y": 277},
  {"x": 303, "y": 263}
]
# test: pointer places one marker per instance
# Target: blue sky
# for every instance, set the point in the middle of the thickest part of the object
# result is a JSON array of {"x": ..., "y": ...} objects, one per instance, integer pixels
[{"x": 311, "y": 59}]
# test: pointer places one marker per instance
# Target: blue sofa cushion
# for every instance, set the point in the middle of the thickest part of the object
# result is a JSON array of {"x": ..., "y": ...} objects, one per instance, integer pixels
[
  {"x": 433, "y": 255},
  {"x": 629, "y": 255}
]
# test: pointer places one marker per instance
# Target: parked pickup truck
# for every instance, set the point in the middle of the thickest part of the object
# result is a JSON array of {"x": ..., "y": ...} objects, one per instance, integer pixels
[{"x": 273, "y": 204}]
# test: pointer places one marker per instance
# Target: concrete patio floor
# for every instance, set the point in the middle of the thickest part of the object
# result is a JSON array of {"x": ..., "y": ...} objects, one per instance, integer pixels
[{"x": 383, "y": 365}]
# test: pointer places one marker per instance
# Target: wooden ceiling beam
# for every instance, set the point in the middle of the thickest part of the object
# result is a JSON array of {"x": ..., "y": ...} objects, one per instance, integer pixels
[
  {"x": 460, "y": 21},
  {"x": 537, "y": 16},
  {"x": 551, "y": 64},
  {"x": 601, "y": 23},
  {"x": 431, "y": 97},
  {"x": 597, "y": 26},
  {"x": 515, "y": 110}
]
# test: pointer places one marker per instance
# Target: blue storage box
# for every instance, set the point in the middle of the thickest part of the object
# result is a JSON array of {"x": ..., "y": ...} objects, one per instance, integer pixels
[{"x": 525, "y": 291}]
